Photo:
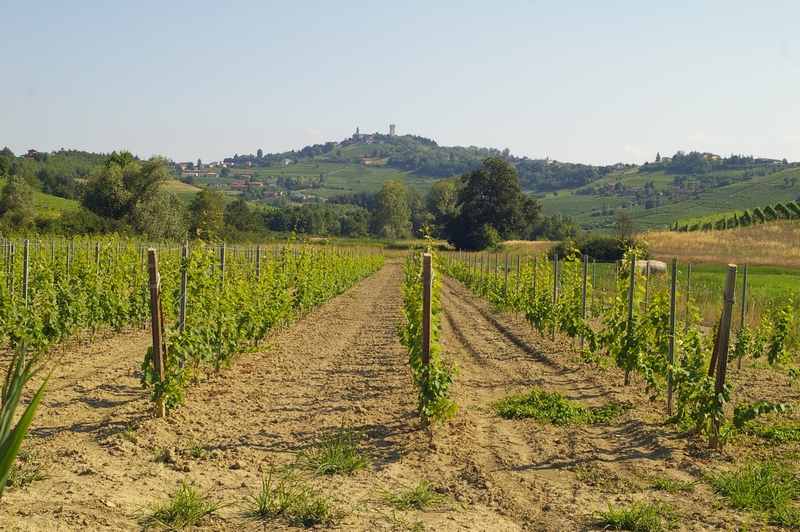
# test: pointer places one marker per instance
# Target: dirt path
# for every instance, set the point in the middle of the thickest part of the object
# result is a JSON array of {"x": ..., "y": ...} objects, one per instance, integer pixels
[{"x": 342, "y": 363}]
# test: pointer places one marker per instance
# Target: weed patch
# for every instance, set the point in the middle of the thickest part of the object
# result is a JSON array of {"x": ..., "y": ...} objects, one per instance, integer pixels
[
  {"x": 286, "y": 495},
  {"x": 337, "y": 452},
  {"x": 639, "y": 517},
  {"x": 187, "y": 507},
  {"x": 412, "y": 497},
  {"x": 769, "y": 487},
  {"x": 554, "y": 408}
]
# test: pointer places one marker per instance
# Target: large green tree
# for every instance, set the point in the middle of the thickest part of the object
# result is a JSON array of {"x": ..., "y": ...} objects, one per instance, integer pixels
[
  {"x": 442, "y": 201},
  {"x": 392, "y": 216},
  {"x": 492, "y": 207},
  {"x": 16, "y": 201},
  {"x": 128, "y": 190}
]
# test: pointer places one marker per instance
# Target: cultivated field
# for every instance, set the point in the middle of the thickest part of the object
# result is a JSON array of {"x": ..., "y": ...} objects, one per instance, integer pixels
[{"x": 106, "y": 461}]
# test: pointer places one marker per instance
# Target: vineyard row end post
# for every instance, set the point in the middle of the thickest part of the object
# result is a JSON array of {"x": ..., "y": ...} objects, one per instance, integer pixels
[
  {"x": 156, "y": 322},
  {"x": 427, "y": 280}
]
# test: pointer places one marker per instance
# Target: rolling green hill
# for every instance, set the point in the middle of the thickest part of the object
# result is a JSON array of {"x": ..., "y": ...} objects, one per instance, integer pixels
[{"x": 598, "y": 211}]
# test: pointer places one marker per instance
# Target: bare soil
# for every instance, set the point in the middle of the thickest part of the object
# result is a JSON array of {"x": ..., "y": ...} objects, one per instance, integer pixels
[{"x": 108, "y": 460}]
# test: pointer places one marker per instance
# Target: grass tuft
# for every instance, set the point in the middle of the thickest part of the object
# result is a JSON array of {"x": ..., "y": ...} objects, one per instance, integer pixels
[
  {"x": 554, "y": 408},
  {"x": 412, "y": 497},
  {"x": 286, "y": 495},
  {"x": 639, "y": 517},
  {"x": 28, "y": 467},
  {"x": 337, "y": 452},
  {"x": 186, "y": 508},
  {"x": 769, "y": 487},
  {"x": 198, "y": 447}
]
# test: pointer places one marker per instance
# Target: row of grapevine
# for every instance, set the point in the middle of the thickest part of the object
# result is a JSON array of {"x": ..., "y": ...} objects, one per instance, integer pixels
[
  {"x": 635, "y": 329},
  {"x": 51, "y": 290},
  {"x": 729, "y": 220},
  {"x": 432, "y": 373},
  {"x": 234, "y": 302}
]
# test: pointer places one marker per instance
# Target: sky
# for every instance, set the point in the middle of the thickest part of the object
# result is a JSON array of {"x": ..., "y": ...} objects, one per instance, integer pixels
[{"x": 578, "y": 81}]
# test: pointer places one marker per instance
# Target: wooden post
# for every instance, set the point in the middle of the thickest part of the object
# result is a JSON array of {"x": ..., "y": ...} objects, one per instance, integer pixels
[
  {"x": 427, "y": 278},
  {"x": 535, "y": 267},
  {"x": 258, "y": 260},
  {"x": 184, "y": 282},
  {"x": 646, "y": 283},
  {"x": 222, "y": 263},
  {"x": 26, "y": 252},
  {"x": 672, "y": 307},
  {"x": 505, "y": 283},
  {"x": 496, "y": 267},
  {"x": 724, "y": 343},
  {"x": 744, "y": 306},
  {"x": 585, "y": 279},
  {"x": 688, "y": 295},
  {"x": 594, "y": 285},
  {"x": 631, "y": 289},
  {"x": 156, "y": 322},
  {"x": 555, "y": 288},
  {"x": 519, "y": 269}
]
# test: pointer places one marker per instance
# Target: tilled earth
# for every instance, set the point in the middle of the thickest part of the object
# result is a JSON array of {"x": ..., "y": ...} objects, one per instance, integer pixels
[{"x": 107, "y": 461}]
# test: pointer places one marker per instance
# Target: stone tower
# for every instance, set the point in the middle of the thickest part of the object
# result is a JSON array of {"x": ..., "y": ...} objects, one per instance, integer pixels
[{"x": 391, "y": 130}]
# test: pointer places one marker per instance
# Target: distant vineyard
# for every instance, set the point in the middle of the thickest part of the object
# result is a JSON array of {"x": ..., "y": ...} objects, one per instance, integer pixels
[{"x": 729, "y": 220}]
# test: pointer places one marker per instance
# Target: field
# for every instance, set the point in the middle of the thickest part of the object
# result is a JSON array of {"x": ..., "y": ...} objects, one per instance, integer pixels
[
  {"x": 96, "y": 459},
  {"x": 751, "y": 193}
]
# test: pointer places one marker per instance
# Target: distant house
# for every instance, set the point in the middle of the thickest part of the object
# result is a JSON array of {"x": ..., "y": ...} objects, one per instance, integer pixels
[
  {"x": 31, "y": 154},
  {"x": 707, "y": 155},
  {"x": 274, "y": 194},
  {"x": 239, "y": 186},
  {"x": 366, "y": 160},
  {"x": 682, "y": 192},
  {"x": 760, "y": 160},
  {"x": 635, "y": 191},
  {"x": 287, "y": 162},
  {"x": 619, "y": 165},
  {"x": 256, "y": 184},
  {"x": 299, "y": 197},
  {"x": 666, "y": 159},
  {"x": 245, "y": 176}
]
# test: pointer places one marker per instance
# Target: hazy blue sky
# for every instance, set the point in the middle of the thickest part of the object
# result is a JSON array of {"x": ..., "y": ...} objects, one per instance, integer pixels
[{"x": 582, "y": 81}]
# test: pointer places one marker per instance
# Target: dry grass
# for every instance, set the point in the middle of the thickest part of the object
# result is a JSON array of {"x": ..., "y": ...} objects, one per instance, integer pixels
[
  {"x": 527, "y": 246},
  {"x": 773, "y": 244}
]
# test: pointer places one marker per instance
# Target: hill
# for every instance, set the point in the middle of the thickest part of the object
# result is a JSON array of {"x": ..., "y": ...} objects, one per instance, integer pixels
[{"x": 692, "y": 185}]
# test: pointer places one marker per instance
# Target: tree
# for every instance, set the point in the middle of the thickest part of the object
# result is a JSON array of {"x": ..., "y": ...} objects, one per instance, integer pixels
[
  {"x": 658, "y": 157},
  {"x": 392, "y": 216},
  {"x": 624, "y": 230},
  {"x": 129, "y": 191},
  {"x": 442, "y": 201},
  {"x": 419, "y": 214},
  {"x": 199, "y": 164},
  {"x": 206, "y": 215},
  {"x": 492, "y": 207},
  {"x": 16, "y": 200},
  {"x": 239, "y": 216},
  {"x": 260, "y": 153}
]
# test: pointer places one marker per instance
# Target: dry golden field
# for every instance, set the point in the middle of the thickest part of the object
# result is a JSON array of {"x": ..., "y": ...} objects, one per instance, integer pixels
[{"x": 775, "y": 244}]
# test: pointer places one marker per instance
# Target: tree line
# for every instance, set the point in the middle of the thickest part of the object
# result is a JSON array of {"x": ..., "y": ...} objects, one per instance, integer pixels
[{"x": 125, "y": 195}]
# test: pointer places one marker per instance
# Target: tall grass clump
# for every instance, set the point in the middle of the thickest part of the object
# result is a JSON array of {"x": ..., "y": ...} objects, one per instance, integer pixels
[{"x": 342, "y": 451}]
